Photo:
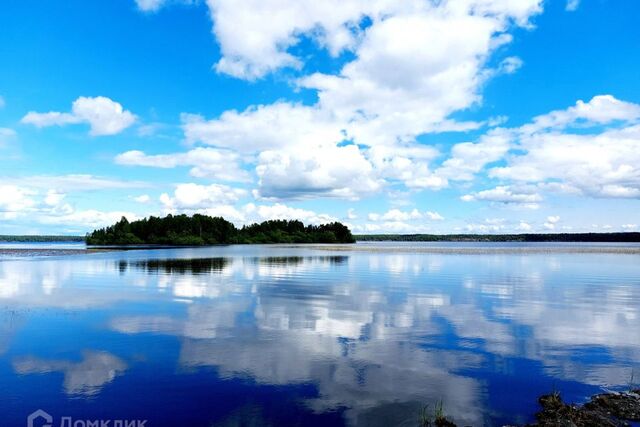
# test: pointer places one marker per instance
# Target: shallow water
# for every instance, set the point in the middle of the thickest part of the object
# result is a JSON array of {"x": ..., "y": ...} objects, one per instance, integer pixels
[{"x": 272, "y": 335}]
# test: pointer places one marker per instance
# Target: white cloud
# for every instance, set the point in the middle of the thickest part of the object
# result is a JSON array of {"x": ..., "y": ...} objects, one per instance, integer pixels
[
  {"x": 600, "y": 165},
  {"x": 6, "y": 135},
  {"x": 86, "y": 219},
  {"x": 281, "y": 211},
  {"x": 143, "y": 198},
  {"x": 319, "y": 171},
  {"x": 54, "y": 198},
  {"x": 572, "y": 5},
  {"x": 351, "y": 214},
  {"x": 14, "y": 200},
  {"x": 597, "y": 163},
  {"x": 525, "y": 197},
  {"x": 191, "y": 197},
  {"x": 150, "y": 5},
  {"x": 552, "y": 222},
  {"x": 104, "y": 116},
  {"x": 206, "y": 163},
  {"x": 391, "y": 92},
  {"x": 434, "y": 216},
  {"x": 265, "y": 127},
  {"x": 395, "y": 217},
  {"x": 524, "y": 226},
  {"x": 600, "y": 110},
  {"x": 468, "y": 158},
  {"x": 72, "y": 182},
  {"x": 254, "y": 35},
  {"x": 50, "y": 208},
  {"x": 629, "y": 227},
  {"x": 510, "y": 65}
]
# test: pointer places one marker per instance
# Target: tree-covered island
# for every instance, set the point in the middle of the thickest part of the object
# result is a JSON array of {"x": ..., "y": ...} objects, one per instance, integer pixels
[{"x": 200, "y": 230}]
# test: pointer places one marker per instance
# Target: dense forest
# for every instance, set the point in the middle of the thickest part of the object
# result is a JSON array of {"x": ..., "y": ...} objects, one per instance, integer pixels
[
  {"x": 205, "y": 230},
  {"x": 41, "y": 238},
  {"x": 531, "y": 237}
]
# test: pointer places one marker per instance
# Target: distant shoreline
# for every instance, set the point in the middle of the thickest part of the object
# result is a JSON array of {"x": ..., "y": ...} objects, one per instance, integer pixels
[{"x": 627, "y": 237}]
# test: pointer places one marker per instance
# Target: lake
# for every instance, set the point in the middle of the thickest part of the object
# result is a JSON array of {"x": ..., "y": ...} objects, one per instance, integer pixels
[{"x": 365, "y": 335}]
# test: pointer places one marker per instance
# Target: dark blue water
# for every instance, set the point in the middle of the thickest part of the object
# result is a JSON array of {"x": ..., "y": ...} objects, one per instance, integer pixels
[{"x": 279, "y": 336}]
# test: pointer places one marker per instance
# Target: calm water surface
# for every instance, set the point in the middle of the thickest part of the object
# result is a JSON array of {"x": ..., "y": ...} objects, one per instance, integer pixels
[{"x": 268, "y": 335}]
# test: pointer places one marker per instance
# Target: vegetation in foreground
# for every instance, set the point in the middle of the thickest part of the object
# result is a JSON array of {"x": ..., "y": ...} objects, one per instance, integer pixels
[
  {"x": 531, "y": 237},
  {"x": 613, "y": 409},
  {"x": 205, "y": 230}
]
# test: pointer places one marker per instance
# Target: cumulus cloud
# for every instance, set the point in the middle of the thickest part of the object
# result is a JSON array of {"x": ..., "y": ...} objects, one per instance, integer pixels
[
  {"x": 319, "y": 171},
  {"x": 104, "y": 116},
  {"x": 467, "y": 158},
  {"x": 14, "y": 200},
  {"x": 600, "y": 110},
  {"x": 600, "y": 165},
  {"x": 192, "y": 196},
  {"x": 264, "y": 127},
  {"x": 372, "y": 110},
  {"x": 50, "y": 208},
  {"x": 205, "y": 162},
  {"x": 526, "y": 197},
  {"x": 551, "y": 222}
]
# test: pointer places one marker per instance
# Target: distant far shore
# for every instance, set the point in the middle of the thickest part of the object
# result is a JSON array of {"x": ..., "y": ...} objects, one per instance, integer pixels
[
  {"x": 40, "y": 239},
  {"x": 629, "y": 237}
]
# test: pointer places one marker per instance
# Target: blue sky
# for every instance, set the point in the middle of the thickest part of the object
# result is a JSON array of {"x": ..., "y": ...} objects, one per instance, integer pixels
[{"x": 415, "y": 116}]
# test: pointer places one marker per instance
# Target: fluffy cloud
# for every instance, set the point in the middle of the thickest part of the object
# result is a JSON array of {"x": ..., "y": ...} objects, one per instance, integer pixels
[
  {"x": 468, "y": 158},
  {"x": 206, "y": 163},
  {"x": 600, "y": 110},
  {"x": 50, "y": 208},
  {"x": 320, "y": 171},
  {"x": 254, "y": 35},
  {"x": 104, "y": 116},
  {"x": 604, "y": 165},
  {"x": 14, "y": 200},
  {"x": 265, "y": 127},
  {"x": 220, "y": 200},
  {"x": 551, "y": 222},
  {"x": 392, "y": 91},
  {"x": 396, "y": 215},
  {"x": 526, "y": 197},
  {"x": 281, "y": 211},
  {"x": 191, "y": 197}
]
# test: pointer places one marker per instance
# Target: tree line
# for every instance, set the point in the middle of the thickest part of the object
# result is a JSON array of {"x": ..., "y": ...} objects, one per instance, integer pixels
[
  {"x": 529, "y": 237},
  {"x": 199, "y": 230}
]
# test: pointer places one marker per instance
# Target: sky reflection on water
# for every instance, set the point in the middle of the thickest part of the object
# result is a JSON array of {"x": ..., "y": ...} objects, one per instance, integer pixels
[{"x": 297, "y": 336}]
